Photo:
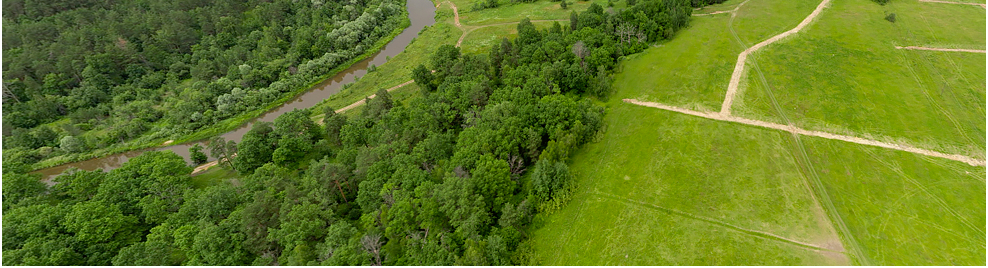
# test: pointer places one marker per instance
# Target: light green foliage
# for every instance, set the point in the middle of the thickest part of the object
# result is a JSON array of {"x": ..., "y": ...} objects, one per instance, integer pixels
[{"x": 71, "y": 144}]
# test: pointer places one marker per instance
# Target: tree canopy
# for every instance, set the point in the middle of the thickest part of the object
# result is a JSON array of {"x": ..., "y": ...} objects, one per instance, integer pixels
[{"x": 451, "y": 176}]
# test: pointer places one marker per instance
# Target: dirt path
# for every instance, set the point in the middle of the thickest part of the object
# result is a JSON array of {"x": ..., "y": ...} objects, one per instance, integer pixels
[
  {"x": 732, "y": 87},
  {"x": 941, "y": 49},
  {"x": 948, "y": 2},
  {"x": 713, "y": 13},
  {"x": 792, "y": 129},
  {"x": 202, "y": 168}
]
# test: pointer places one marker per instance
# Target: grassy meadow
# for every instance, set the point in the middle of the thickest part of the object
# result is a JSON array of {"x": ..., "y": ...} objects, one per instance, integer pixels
[{"x": 662, "y": 188}]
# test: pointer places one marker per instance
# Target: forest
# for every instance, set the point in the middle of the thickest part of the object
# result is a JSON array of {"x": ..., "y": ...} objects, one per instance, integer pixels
[
  {"x": 86, "y": 75},
  {"x": 453, "y": 176}
]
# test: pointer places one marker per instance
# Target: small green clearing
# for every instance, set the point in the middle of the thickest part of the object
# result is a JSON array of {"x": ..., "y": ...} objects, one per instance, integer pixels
[
  {"x": 508, "y": 12},
  {"x": 214, "y": 176},
  {"x": 480, "y": 40}
]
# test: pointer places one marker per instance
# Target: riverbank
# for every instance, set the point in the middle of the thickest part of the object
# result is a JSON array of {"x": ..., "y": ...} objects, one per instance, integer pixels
[{"x": 225, "y": 125}]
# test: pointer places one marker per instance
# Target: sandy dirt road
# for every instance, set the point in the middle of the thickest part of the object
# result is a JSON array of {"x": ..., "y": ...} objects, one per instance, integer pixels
[{"x": 792, "y": 129}]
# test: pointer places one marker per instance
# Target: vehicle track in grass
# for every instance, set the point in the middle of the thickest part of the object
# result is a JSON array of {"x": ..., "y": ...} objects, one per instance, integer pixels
[
  {"x": 761, "y": 234},
  {"x": 949, "y": 2}
]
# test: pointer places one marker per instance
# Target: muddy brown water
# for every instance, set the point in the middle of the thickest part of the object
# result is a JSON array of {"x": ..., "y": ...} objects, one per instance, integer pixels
[{"x": 421, "y": 13}]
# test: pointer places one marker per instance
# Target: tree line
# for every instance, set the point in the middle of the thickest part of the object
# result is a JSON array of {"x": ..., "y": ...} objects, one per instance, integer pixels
[{"x": 452, "y": 176}]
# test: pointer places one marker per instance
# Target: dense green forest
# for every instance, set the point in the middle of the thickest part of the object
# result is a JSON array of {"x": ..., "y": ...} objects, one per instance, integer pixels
[
  {"x": 455, "y": 175},
  {"x": 85, "y": 75}
]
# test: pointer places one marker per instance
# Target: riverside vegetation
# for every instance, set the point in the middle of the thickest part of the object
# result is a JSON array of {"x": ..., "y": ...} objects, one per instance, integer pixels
[{"x": 90, "y": 78}]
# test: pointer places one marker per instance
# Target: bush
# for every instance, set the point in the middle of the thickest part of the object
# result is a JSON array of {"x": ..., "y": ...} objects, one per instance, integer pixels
[
  {"x": 890, "y": 17},
  {"x": 549, "y": 179}
]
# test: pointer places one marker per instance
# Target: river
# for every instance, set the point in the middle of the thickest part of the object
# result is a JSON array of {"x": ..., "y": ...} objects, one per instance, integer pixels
[{"x": 422, "y": 13}]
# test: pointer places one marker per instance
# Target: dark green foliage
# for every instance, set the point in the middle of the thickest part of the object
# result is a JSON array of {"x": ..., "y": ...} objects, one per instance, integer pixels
[
  {"x": 19, "y": 187},
  {"x": 701, "y": 3},
  {"x": 890, "y": 17},
  {"x": 333, "y": 123},
  {"x": 436, "y": 179},
  {"x": 255, "y": 148},
  {"x": 882, "y": 2}
]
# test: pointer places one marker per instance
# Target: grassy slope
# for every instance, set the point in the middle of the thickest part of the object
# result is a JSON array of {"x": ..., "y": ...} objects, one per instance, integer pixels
[{"x": 855, "y": 82}]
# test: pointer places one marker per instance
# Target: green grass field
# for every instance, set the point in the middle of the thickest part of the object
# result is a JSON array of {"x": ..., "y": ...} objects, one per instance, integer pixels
[
  {"x": 843, "y": 74},
  {"x": 662, "y": 188},
  {"x": 653, "y": 184}
]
